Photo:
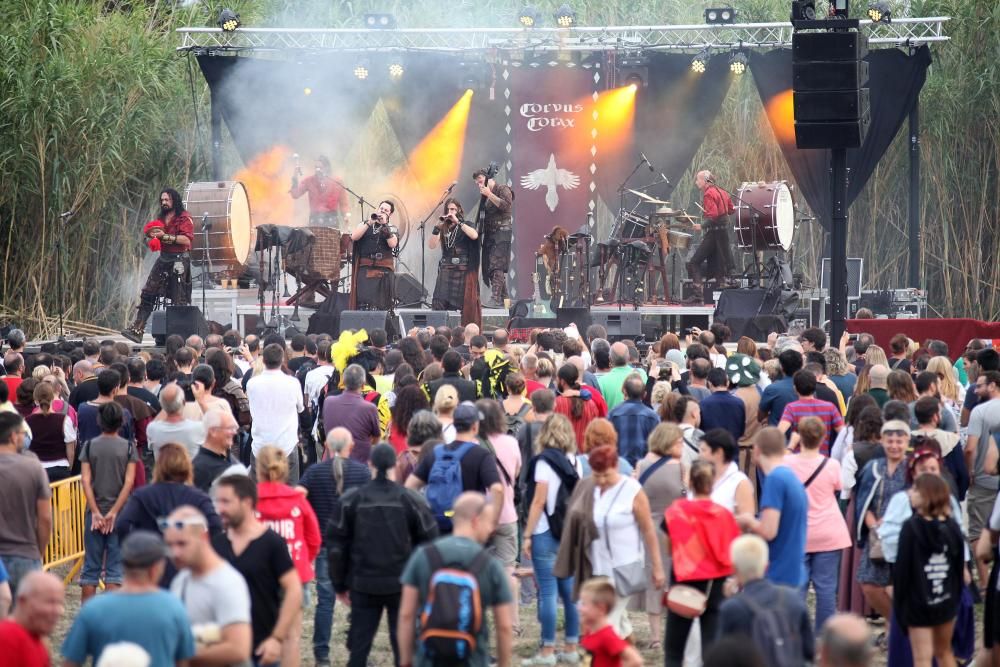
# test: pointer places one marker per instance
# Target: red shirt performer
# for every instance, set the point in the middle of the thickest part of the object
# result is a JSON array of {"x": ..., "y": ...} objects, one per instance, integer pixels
[
  {"x": 713, "y": 252},
  {"x": 170, "y": 277},
  {"x": 327, "y": 197}
]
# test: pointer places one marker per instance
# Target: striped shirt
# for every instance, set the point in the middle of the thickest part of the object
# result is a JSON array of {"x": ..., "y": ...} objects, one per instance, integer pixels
[{"x": 813, "y": 407}]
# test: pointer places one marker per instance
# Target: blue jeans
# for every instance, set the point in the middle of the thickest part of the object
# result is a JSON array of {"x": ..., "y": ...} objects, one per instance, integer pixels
[
  {"x": 18, "y": 567},
  {"x": 544, "y": 548},
  {"x": 325, "y": 600},
  {"x": 100, "y": 552},
  {"x": 823, "y": 570}
]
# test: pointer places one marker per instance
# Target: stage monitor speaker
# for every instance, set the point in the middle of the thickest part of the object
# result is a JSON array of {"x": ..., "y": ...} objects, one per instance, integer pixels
[
  {"x": 158, "y": 327},
  {"x": 752, "y": 312},
  {"x": 581, "y": 317},
  {"x": 185, "y": 321},
  {"x": 408, "y": 290},
  {"x": 855, "y": 266},
  {"x": 354, "y": 320},
  {"x": 324, "y": 323},
  {"x": 620, "y": 325},
  {"x": 414, "y": 317}
]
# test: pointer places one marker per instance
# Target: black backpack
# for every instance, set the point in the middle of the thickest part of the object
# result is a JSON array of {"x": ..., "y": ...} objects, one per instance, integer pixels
[
  {"x": 452, "y": 615},
  {"x": 779, "y": 643},
  {"x": 568, "y": 478}
]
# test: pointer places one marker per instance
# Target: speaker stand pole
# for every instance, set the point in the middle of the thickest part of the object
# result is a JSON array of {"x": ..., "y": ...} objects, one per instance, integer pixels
[
  {"x": 838, "y": 245},
  {"x": 206, "y": 262}
]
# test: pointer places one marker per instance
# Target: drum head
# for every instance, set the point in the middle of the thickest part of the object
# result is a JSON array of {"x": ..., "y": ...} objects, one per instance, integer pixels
[
  {"x": 784, "y": 215},
  {"x": 239, "y": 222}
]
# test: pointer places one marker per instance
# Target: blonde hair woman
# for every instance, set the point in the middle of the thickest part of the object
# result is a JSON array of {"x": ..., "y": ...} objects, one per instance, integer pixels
[
  {"x": 290, "y": 515},
  {"x": 445, "y": 402},
  {"x": 875, "y": 355},
  {"x": 952, "y": 393}
]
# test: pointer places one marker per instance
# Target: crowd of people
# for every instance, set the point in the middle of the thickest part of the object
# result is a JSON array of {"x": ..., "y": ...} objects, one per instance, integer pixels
[{"x": 450, "y": 481}]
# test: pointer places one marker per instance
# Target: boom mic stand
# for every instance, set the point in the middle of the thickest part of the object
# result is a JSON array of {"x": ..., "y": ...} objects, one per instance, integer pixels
[
  {"x": 423, "y": 245},
  {"x": 362, "y": 202},
  {"x": 206, "y": 260}
]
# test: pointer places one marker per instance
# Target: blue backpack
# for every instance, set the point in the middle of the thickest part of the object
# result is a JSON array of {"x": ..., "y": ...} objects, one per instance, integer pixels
[{"x": 444, "y": 483}]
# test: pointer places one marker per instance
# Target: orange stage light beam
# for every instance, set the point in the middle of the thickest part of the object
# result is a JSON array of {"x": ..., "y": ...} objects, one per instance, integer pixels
[
  {"x": 780, "y": 112},
  {"x": 612, "y": 115},
  {"x": 436, "y": 161}
]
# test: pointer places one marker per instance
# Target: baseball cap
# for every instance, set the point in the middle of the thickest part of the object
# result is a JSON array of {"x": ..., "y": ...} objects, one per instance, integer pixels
[
  {"x": 466, "y": 414},
  {"x": 896, "y": 425},
  {"x": 878, "y": 376},
  {"x": 143, "y": 548}
]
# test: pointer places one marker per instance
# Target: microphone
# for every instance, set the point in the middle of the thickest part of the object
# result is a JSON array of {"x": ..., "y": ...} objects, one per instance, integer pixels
[
  {"x": 665, "y": 179},
  {"x": 204, "y": 222},
  {"x": 646, "y": 160},
  {"x": 450, "y": 187}
]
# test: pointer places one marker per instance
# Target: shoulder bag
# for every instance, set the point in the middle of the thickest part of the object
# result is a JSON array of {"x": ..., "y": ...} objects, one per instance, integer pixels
[{"x": 629, "y": 578}]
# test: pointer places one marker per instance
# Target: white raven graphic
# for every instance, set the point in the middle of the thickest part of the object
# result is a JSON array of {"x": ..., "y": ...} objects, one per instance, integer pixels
[{"x": 551, "y": 177}]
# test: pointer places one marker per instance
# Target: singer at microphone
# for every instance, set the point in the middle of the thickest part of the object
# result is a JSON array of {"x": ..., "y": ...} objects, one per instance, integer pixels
[
  {"x": 172, "y": 234},
  {"x": 457, "y": 286},
  {"x": 328, "y": 203}
]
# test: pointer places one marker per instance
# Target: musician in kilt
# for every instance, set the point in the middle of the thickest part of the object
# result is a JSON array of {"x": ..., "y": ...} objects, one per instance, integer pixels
[
  {"x": 457, "y": 285},
  {"x": 172, "y": 234},
  {"x": 497, "y": 226},
  {"x": 375, "y": 241}
]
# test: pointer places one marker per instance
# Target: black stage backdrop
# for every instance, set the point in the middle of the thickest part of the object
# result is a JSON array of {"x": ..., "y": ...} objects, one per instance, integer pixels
[{"x": 895, "y": 81}]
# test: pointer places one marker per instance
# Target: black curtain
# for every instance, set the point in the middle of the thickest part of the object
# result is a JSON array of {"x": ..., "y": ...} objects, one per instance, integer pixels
[
  {"x": 672, "y": 117},
  {"x": 895, "y": 81}
]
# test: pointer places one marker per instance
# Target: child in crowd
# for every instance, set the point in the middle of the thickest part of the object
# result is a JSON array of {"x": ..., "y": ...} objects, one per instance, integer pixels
[{"x": 604, "y": 647}]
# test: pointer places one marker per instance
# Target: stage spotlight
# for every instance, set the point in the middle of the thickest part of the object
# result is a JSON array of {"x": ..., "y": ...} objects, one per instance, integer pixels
[
  {"x": 396, "y": 69},
  {"x": 879, "y": 12},
  {"x": 307, "y": 91},
  {"x": 738, "y": 63},
  {"x": 720, "y": 15},
  {"x": 565, "y": 16},
  {"x": 229, "y": 20},
  {"x": 377, "y": 21},
  {"x": 529, "y": 17},
  {"x": 804, "y": 10},
  {"x": 700, "y": 62},
  {"x": 361, "y": 71}
]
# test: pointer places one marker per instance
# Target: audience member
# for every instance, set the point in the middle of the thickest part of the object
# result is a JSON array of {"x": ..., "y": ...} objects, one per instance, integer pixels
[
  {"x": 213, "y": 457},
  {"x": 40, "y": 606},
  {"x": 172, "y": 426},
  {"x": 612, "y": 381},
  {"x": 633, "y": 420},
  {"x": 351, "y": 411},
  {"x": 845, "y": 642},
  {"x": 275, "y": 402},
  {"x": 600, "y": 641},
  {"x": 807, "y": 405},
  {"x": 720, "y": 409},
  {"x": 731, "y": 487},
  {"x": 452, "y": 366},
  {"x": 781, "y": 392}
]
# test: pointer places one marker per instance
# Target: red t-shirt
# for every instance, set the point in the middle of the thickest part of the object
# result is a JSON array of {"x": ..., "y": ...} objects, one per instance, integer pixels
[
  {"x": 180, "y": 225},
  {"x": 12, "y": 382},
  {"x": 20, "y": 647},
  {"x": 325, "y": 196},
  {"x": 591, "y": 411},
  {"x": 605, "y": 647},
  {"x": 716, "y": 203},
  {"x": 531, "y": 386}
]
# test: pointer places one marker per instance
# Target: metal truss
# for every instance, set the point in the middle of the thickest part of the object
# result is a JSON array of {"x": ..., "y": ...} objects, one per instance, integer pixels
[{"x": 901, "y": 32}]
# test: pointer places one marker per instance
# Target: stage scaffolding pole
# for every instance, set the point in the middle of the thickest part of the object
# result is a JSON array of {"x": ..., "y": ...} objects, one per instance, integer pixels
[
  {"x": 913, "y": 215},
  {"x": 216, "y": 122}
]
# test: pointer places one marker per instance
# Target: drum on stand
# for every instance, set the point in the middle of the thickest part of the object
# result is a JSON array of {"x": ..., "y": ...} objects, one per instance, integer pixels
[
  {"x": 230, "y": 234},
  {"x": 765, "y": 216}
]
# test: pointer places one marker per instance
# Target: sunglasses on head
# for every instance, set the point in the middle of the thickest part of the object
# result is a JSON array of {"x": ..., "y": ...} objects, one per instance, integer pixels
[{"x": 180, "y": 524}]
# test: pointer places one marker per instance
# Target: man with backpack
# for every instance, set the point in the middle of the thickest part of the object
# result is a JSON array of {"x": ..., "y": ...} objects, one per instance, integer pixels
[
  {"x": 462, "y": 465},
  {"x": 443, "y": 580},
  {"x": 774, "y": 617},
  {"x": 371, "y": 535}
]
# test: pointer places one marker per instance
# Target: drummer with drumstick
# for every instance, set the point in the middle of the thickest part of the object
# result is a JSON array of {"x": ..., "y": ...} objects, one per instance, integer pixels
[
  {"x": 713, "y": 252},
  {"x": 172, "y": 234}
]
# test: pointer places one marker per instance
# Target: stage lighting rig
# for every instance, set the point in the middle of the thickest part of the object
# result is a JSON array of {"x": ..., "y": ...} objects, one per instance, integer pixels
[
  {"x": 565, "y": 16},
  {"x": 700, "y": 62},
  {"x": 361, "y": 71},
  {"x": 720, "y": 15},
  {"x": 229, "y": 20},
  {"x": 529, "y": 16},
  {"x": 804, "y": 10},
  {"x": 633, "y": 70},
  {"x": 880, "y": 12},
  {"x": 738, "y": 63},
  {"x": 396, "y": 69},
  {"x": 380, "y": 21}
]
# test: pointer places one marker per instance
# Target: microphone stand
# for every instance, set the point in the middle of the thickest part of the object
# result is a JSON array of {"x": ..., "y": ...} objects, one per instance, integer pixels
[
  {"x": 423, "y": 246},
  {"x": 206, "y": 260},
  {"x": 362, "y": 202}
]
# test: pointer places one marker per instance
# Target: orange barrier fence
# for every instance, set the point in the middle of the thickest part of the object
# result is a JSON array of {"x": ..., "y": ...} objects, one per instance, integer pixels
[{"x": 66, "y": 542}]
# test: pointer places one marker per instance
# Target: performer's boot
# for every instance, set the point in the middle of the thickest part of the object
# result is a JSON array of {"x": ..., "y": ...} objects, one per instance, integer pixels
[
  {"x": 135, "y": 332},
  {"x": 697, "y": 286}
]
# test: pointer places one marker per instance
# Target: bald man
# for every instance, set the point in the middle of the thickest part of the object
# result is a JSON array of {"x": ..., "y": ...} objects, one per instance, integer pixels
[
  {"x": 40, "y": 597},
  {"x": 612, "y": 381},
  {"x": 84, "y": 384},
  {"x": 713, "y": 252},
  {"x": 846, "y": 642},
  {"x": 473, "y": 522}
]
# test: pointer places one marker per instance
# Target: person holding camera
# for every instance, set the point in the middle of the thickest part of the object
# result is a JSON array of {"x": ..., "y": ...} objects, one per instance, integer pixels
[
  {"x": 375, "y": 242},
  {"x": 457, "y": 285}
]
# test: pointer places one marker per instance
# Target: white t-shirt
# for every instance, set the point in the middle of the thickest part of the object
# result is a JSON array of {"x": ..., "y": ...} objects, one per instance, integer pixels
[
  {"x": 275, "y": 403},
  {"x": 724, "y": 489},
  {"x": 614, "y": 507},
  {"x": 545, "y": 473}
]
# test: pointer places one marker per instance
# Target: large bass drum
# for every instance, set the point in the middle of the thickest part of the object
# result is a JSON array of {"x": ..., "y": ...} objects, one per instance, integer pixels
[
  {"x": 230, "y": 232},
  {"x": 765, "y": 216}
]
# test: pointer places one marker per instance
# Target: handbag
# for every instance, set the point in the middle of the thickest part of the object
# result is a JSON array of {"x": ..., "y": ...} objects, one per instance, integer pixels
[
  {"x": 628, "y": 578},
  {"x": 687, "y": 601},
  {"x": 875, "y": 550}
]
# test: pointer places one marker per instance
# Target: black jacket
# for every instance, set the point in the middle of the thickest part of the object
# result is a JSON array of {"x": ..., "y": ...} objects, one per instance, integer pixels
[
  {"x": 372, "y": 534},
  {"x": 466, "y": 388}
]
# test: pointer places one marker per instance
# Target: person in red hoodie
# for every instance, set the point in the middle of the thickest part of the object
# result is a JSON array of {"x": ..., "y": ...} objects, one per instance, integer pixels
[
  {"x": 289, "y": 514},
  {"x": 699, "y": 534}
]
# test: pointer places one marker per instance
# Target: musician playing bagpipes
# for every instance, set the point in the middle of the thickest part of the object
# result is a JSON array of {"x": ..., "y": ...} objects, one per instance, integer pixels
[
  {"x": 457, "y": 285},
  {"x": 375, "y": 241}
]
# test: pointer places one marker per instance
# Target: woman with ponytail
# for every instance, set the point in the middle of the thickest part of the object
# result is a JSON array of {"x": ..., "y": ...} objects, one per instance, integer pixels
[
  {"x": 575, "y": 403},
  {"x": 53, "y": 435}
]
